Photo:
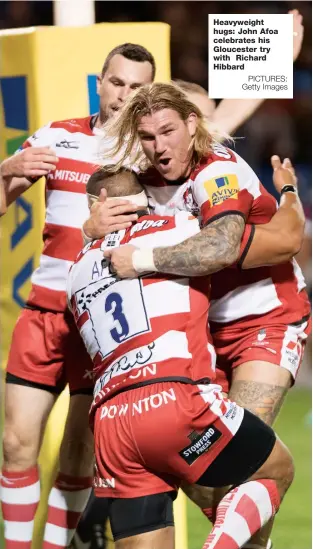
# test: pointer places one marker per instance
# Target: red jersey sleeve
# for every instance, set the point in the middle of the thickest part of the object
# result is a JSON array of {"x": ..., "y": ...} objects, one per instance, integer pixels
[
  {"x": 226, "y": 185},
  {"x": 246, "y": 242}
]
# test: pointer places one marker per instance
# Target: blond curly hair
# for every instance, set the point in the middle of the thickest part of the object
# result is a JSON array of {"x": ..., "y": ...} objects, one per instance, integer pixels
[{"x": 149, "y": 99}]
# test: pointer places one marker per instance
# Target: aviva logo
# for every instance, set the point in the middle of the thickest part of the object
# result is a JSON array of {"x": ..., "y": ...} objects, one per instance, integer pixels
[{"x": 15, "y": 108}]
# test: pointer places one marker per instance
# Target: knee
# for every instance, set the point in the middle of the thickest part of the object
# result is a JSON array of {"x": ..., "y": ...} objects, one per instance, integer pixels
[{"x": 18, "y": 450}]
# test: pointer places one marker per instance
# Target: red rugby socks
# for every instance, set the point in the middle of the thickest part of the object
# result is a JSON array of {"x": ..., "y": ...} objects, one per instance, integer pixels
[
  {"x": 242, "y": 512},
  {"x": 67, "y": 501},
  {"x": 19, "y": 494}
]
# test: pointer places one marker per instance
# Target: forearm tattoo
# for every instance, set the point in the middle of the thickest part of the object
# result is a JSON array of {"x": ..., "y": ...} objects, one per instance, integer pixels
[{"x": 214, "y": 248}]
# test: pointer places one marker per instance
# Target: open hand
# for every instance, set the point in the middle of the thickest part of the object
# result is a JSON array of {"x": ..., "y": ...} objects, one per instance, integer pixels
[
  {"x": 107, "y": 216},
  {"x": 284, "y": 173},
  {"x": 31, "y": 162}
]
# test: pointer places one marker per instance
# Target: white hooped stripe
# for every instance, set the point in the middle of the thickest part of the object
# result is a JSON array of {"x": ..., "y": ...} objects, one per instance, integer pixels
[
  {"x": 259, "y": 298},
  {"x": 57, "y": 535},
  {"x": 237, "y": 528},
  {"x": 66, "y": 208},
  {"x": 159, "y": 297},
  {"x": 69, "y": 501},
  {"x": 22, "y": 496},
  {"x": 51, "y": 273},
  {"x": 18, "y": 531}
]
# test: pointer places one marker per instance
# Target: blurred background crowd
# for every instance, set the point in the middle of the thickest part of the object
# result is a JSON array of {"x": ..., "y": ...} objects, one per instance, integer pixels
[{"x": 280, "y": 126}]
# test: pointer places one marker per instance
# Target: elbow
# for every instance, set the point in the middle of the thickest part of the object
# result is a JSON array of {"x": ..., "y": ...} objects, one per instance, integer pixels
[
  {"x": 293, "y": 244},
  {"x": 296, "y": 245},
  {"x": 229, "y": 258}
]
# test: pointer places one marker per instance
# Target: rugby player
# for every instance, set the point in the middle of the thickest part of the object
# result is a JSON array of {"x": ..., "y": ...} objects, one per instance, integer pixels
[
  {"x": 158, "y": 415},
  {"x": 259, "y": 318},
  {"x": 46, "y": 351},
  {"x": 77, "y": 141}
]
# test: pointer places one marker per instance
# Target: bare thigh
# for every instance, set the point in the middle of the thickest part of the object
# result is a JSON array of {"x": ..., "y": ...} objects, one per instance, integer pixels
[
  {"x": 260, "y": 387},
  {"x": 157, "y": 539}
]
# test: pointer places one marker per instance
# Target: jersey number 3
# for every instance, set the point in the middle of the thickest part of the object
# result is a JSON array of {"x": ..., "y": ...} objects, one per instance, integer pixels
[{"x": 114, "y": 305}]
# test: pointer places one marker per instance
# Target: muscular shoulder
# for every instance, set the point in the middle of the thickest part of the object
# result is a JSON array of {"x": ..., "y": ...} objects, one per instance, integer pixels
[
  {"x": 218, "y": 154},
  {"x": 225, "y": 169}
]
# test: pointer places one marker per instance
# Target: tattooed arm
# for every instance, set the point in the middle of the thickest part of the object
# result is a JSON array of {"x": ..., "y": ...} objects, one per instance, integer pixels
[{"x": 215, "y": 247}]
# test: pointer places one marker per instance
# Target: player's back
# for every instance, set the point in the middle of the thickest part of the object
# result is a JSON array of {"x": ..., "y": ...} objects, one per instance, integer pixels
[{"x": 146, "y": 329}]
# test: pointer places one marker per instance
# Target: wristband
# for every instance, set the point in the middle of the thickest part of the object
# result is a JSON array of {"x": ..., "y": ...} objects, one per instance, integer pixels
[
  {"x": 288, "y": 188},
  {"x": 143, "y": 260}
]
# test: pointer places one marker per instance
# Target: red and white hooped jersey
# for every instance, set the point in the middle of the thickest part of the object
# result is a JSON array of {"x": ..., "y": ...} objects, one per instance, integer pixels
[
  {"x": 78, "y": 148},
  {"x": 222, "y": 184},
  {"x": 141, "y": 329}
]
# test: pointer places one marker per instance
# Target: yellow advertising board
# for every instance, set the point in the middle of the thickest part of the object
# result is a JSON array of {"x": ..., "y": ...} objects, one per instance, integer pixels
[{"x": 49, "y": 73}]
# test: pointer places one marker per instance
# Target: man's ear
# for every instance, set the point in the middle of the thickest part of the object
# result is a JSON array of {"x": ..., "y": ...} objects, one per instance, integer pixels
[
  {"x": 99, "y": 82},
  {"x": 191, "y": 122}
]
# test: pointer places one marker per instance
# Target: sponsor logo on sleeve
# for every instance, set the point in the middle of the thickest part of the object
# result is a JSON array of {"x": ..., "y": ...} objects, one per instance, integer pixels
[
  {"x": 200, "y": 443},
  {"x": 221, "y": 188}
]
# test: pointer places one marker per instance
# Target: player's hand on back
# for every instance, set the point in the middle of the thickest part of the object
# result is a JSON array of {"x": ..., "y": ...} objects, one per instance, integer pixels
[
  {"x": 283, "y": 173},
  {"x": 298, "y": 31},
  {"x": 121, "y": 261},
  {"x": 31, "y": 162},
  {"x": 107, "y": 216}
]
